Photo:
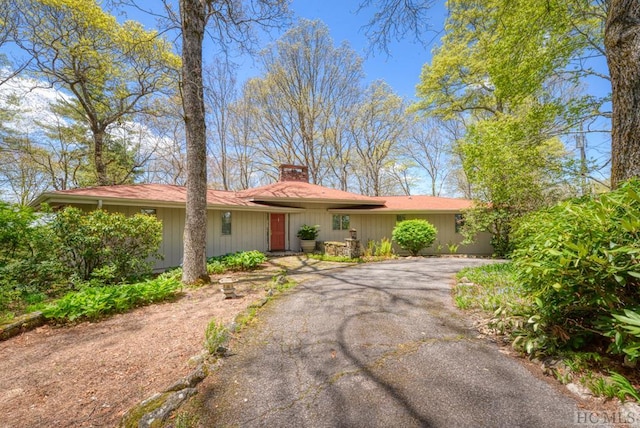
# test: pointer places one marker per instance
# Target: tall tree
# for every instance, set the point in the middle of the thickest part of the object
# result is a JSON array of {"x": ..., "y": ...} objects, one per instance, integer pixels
[
  {"x": 501, "y": 69},
  {"x": 621, "y": 22},
  {"x": 110, "y": 70},
  {"x": 308, "y": 83},
  {"x": 622, "y": 42},
  {"x": 220, "y": 92},
  {"x": 378, "y": 130},
  {"x": 243, "y": 137},
  {"x": 9, "y": 19},
  {"x": 431, "y": 150},
  {"x": 194, "y": 17},
  {"x": 168, "y": 160},
  {"x": 231, "y": 20}
]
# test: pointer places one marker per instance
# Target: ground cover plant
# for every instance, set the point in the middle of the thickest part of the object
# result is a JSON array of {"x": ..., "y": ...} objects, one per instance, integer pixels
[
  {"x": 489, "y": 287},
  {"x": 239, "y": 261},
  {"x": 91, "y": 303}
]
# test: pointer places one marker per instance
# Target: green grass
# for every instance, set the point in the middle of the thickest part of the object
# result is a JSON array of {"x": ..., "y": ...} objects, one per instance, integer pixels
[
  {"x": 339, "y": 259},
  {"x": 493, "y": 286}
]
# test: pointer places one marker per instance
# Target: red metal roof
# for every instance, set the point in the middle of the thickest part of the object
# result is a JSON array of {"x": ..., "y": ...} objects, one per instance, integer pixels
[
  {"x": 282, "y": 192},
  {"x": 422, "y": 202},
  {"x": 158, "y": 193},
  {"x": 286, "y": 190}
]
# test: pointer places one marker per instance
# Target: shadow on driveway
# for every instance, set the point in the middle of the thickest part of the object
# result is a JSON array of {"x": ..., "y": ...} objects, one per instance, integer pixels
[{"x": 376, "y": 345}]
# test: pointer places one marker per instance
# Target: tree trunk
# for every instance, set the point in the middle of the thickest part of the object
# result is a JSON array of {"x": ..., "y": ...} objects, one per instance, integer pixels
[
  {"x": 622, "y": 44},
  {"x": 193, "y": 16},
  {"x": 98, "y": 157}
]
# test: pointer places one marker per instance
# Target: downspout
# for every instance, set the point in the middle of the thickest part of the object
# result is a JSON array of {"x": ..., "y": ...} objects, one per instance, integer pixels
[{"x": 99, "y": 204}]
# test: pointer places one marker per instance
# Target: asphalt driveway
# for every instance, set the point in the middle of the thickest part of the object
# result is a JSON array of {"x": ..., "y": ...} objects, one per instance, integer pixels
[{"x": 376, "y": 345}]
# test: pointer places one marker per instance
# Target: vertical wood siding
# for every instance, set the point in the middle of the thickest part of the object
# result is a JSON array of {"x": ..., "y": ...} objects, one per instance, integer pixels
[{"x": 250, "y": 231}]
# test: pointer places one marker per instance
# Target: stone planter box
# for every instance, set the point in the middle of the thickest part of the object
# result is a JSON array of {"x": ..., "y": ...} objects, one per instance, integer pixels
[{"x": 349, "y": 248}]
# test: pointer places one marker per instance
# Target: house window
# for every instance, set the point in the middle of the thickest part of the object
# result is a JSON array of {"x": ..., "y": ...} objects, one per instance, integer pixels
[
  {"x": 226, "y": 223},
  {"x": 340, "y": 222},
  {"x": 459, "y": 218},
  {"x": 148, "y": 211},
  {"x": 400, "y": 217}
]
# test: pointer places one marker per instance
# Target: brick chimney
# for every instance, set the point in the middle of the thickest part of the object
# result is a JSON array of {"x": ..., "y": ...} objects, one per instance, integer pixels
[{"x": 294, "y": 173}]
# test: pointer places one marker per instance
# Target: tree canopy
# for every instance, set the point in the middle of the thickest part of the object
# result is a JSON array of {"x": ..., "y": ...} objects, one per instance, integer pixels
[{"x": 110, "y": 71}]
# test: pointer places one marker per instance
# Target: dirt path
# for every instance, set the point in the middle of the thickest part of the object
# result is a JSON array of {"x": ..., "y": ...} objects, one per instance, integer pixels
[{"x": 88, "y": 375}]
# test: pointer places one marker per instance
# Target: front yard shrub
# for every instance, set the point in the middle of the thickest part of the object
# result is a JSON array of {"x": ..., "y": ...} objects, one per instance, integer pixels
[
  {"x": 108, "y": 246},
  {"x": 28, "y": 259},
  {"x": 579, "y": 261},
  {"x": 15, "y": 231},
  {"x": 414, "y": 235}
]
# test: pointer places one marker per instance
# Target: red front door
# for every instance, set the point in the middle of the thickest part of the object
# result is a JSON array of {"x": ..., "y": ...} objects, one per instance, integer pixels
[{"x": 277, "y": 232}]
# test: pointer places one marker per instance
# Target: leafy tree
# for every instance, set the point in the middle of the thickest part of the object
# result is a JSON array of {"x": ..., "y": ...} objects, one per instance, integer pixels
[
  {"x": 512, "y": 169},
  {"x": 498, "y": 71},
  {"x": 109, "y": 70},
  {"x": 308, "y": 85},
  {"x": 414, "y": 235},
  {"x": 377, "y": 129}
]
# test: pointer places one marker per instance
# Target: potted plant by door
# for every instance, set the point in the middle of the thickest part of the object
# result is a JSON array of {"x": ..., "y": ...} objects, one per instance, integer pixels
[{"x": 308, "y": 235}]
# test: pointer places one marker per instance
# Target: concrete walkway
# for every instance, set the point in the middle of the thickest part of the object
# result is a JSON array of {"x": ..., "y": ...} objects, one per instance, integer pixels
[{"x": 377, "y": 345}]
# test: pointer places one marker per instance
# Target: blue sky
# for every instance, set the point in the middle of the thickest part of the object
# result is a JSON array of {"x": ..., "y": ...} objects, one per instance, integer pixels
[{"x": 401, "y": 69}]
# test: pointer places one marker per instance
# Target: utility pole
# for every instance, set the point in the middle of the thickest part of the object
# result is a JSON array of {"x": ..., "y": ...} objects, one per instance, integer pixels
[{"x": 581, "y": 144}]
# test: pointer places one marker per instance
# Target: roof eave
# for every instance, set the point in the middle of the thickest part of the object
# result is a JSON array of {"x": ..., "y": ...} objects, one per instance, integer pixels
[
  {"x": 53, "y": 198},
  {"x": 393, "y": 211},
  {"x": 315, "y": 200}
]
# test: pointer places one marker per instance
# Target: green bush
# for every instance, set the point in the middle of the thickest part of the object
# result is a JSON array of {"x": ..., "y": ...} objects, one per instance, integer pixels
[
  {"x": 108, "y": 246},
  {"x": 579, "y": 261},
  {"x": 28, "y": 260},
  {"x": 96, "y": 302},
  {"x": 414, "y": 235},
  {"x": 626, "y": 334},
  {"x": 15, "y": 231}
]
